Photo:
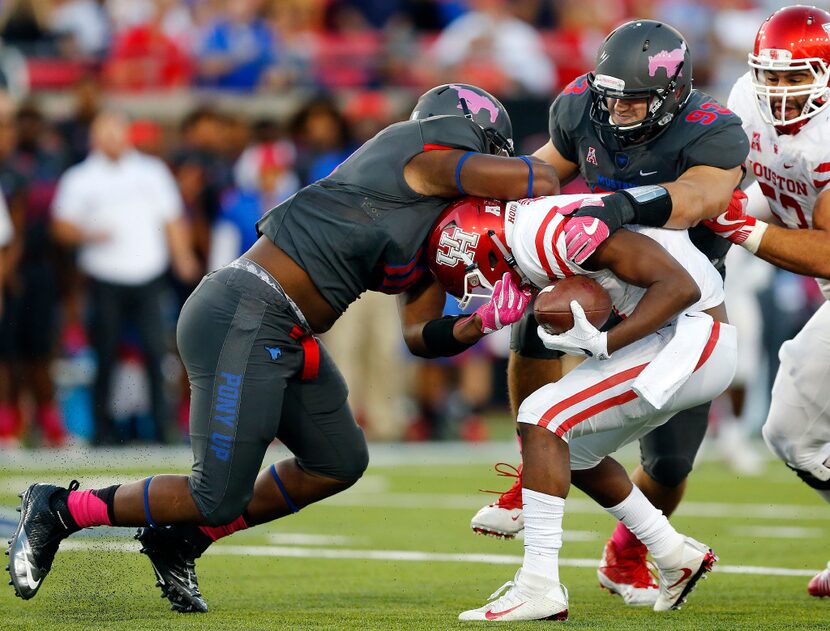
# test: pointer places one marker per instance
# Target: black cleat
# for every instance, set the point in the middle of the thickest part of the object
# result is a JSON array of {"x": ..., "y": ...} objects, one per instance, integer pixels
[
  {"x": 37, "y": 538},
  {"x": 173, "y": 555}
]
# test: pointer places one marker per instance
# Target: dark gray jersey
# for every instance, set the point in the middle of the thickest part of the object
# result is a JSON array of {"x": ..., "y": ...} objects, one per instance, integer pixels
[
  {"x": 702, "y": 133},
  {"x": 362, "y": 227}
]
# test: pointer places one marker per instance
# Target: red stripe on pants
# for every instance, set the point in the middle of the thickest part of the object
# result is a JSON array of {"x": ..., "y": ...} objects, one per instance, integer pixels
[
  {"x": 710, "y": 345},
  {"x": 595, "y": 409},
  {"x": 605, "y": 384}
]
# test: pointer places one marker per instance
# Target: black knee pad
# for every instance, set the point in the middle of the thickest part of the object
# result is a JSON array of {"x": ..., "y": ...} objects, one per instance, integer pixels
[
  {"x": 812, "y": 481},
  {"x": 668, "y": 470}
]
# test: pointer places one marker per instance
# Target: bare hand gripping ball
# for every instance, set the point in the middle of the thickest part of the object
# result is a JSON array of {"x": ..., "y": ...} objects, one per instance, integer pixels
[{"x": 552, "y": 306}]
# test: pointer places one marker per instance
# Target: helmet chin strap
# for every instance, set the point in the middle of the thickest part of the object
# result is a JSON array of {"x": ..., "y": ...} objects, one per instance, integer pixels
[{"x": 508, "y": 256}]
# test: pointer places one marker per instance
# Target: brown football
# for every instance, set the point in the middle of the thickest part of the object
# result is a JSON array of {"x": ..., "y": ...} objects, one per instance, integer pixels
[{"x": 552, "y": 306}]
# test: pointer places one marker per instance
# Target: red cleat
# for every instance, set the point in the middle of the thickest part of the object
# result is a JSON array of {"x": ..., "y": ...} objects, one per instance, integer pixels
[
  {"x": 819, "y": 586},
  {"x": 626, "y": 572}
]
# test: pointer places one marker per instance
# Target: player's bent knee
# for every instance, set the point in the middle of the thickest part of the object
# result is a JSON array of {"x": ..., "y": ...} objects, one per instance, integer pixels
[
  {"x": 668, "y": 471},
  {"x": 226, "y": 510},
  {"x": 347, "y": 464}
]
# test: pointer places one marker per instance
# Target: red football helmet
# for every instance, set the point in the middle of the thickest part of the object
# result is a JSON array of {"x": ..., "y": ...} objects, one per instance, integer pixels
[
  {"x": 792, "y": 38},
  {"x": 467, "y": 251}
]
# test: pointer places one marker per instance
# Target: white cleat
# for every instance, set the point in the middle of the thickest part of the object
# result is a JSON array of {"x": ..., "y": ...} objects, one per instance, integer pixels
[
  {"x": 498, "y": 521},
  {"x": 680, "y": 571},
  {"x": 527, "y": 598},
  {"x": 503, "y": 518}
]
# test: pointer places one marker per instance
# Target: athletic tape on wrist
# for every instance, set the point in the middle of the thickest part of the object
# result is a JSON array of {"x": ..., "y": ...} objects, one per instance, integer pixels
[
  {"x": 439, "y": 337},
  {"x": 753, "y": 241},
  {"x": 652, "y": 204},
  {"x": 458, "y": 166},
  {"x": 529, "y": 164}
]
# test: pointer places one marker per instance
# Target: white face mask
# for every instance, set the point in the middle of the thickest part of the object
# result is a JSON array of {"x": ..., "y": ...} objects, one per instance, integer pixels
[{"x": 768, "y": 96}]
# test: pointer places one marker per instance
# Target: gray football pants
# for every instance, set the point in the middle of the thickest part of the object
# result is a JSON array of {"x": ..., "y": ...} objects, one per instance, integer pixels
[{"x": 241, "y": 343}]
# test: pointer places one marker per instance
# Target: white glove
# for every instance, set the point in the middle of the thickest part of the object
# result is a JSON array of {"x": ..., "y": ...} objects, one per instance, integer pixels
[{"x": 583, "y": 339}]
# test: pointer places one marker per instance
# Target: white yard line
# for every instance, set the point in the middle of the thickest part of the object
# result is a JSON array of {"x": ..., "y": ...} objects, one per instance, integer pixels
[
  {"x": 370, "y": 493},
  {"x": 404, "y": 555}
]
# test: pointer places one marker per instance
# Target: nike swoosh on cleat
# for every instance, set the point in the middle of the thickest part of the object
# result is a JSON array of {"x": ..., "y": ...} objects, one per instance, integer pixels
[
  {"x": 27, "y": 551},
  {"x": 642, "y": 174},
  {"x": 495, "y": 615},
  {"x": 590, "y": 230},
  {"x": 686, "y": 574},
  {"x": 515, "y": 518}
]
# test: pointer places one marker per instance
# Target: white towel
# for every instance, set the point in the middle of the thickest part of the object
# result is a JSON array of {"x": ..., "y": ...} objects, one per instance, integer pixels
[{"x": 673, "y": 365}]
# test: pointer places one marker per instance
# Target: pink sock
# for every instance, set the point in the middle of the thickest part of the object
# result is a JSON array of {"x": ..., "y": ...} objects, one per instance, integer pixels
[
  {"x": 87, "y": 509},
  {"x": 217, "y": 532},
  {"x": 623, "y": 538}
]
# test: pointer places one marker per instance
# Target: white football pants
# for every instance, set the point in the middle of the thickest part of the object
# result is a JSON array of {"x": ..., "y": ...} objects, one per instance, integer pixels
[
  {"x": 797, "y": 429},
  {"x": 596, "y": 411}
]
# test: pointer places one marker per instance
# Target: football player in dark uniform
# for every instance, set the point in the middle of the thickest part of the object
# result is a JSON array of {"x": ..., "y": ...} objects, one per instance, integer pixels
[
  {"x": 671, "y": 156},
  {"x": 246, "y": 337}
]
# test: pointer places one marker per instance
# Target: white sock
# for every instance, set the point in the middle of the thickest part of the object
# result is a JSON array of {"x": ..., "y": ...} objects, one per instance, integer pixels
[
  {"x": 543, "y": 533},
  {"x": 647, "y": 523}
]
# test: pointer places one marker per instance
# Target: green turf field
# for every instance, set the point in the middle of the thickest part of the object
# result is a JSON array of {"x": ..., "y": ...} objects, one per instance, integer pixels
[{"x": 413, "y": 519}]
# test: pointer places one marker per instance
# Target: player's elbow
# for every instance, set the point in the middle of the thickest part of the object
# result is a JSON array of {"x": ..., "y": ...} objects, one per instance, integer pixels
[
  {"x": 414, "y": 340},
  {"x": 688, "y": 293}
]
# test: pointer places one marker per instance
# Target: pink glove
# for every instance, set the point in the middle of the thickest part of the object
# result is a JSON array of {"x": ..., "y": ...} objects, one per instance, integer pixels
[
  {"x": 506, "y": 305},
  {"x": 583, "y": 235},
  {"x": 733, "y": 224}
]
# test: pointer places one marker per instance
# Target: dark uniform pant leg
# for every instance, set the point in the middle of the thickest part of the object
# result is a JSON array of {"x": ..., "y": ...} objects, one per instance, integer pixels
[
  {"x": 319, "y": 428},
  {"x": 668, "y": 452},
  {"x": 149, "y": 321},
  {"x": 108, "y": 312},
  {"x": 235, "y": 345}
]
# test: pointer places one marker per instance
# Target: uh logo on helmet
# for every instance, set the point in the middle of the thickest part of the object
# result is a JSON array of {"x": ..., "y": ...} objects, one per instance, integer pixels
[{"x": 467, "y": 251}]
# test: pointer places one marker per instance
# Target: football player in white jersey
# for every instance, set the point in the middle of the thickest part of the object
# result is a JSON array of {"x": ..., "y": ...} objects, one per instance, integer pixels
[
  {"x": 671, "y": 350},
  {"x": 783, "y": 101}
]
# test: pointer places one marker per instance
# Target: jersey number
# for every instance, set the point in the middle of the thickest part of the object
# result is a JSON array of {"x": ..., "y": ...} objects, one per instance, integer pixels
[
  {"x": 707, "y": 114},
  {"x": 786, "y": 201}
]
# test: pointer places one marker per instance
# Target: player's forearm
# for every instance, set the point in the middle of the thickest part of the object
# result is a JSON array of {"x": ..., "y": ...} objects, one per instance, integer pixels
[
  {"x": 694, "y": 201},
  {"x": 437, "y": 173},
  {"x": 663, "y": 301},
  {"x": 443, "y": 337},
  {"x": 800, "y": 251}
]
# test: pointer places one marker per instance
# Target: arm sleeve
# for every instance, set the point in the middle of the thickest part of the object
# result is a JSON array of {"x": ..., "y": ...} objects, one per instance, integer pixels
[
  {"x": 455, "y": 132},
  {"x": 725, "y": 147},
  {"x": 559, "y": 135}
]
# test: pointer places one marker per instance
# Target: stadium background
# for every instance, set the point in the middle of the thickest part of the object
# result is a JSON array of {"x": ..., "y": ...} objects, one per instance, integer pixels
[{"x": 247, "y": 100}]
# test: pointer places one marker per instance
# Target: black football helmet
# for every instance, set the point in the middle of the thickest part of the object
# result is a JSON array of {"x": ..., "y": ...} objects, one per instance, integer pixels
[
  {"x": 481, "y": 107},
  {"x": 641, "y": 59}
]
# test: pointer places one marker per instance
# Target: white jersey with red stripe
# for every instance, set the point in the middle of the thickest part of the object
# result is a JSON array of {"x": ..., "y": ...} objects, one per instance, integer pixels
[
  {"x": 534, "y": 230},
  {"x": 791, "y": 169}
]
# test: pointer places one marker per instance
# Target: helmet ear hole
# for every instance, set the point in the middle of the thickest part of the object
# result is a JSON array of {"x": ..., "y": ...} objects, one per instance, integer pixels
[{"x": 493, "y": 260}]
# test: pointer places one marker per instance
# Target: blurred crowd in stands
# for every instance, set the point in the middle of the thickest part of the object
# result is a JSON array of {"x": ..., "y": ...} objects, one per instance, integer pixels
[{"x": 90, "y": 300}]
